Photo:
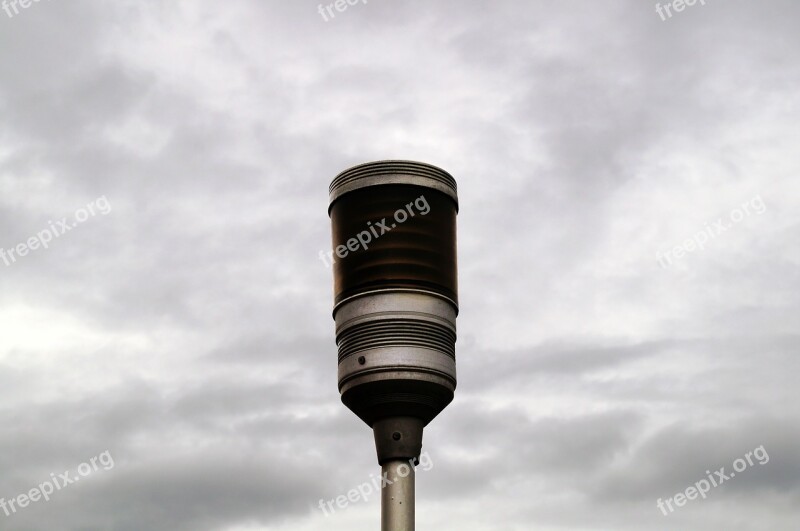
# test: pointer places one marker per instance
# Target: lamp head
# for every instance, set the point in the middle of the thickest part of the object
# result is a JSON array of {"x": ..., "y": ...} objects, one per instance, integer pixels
[{"x": 395, "y": 297}]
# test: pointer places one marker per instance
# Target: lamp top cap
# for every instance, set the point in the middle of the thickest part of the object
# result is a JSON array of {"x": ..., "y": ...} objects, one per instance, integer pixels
[{"x": 393, "y": 172}]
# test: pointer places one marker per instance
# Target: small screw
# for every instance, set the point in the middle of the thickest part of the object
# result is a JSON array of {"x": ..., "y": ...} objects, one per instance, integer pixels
[
  {"x": 397, "y": 436},
  {"x": 362, "y": 360}
]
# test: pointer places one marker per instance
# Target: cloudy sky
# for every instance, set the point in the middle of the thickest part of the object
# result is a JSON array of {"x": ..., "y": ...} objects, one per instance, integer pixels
[{"x": 628, "y": 256}]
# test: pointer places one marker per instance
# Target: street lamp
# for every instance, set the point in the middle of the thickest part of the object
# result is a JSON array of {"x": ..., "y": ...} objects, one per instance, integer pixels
[{"x": 395, "y": 307}]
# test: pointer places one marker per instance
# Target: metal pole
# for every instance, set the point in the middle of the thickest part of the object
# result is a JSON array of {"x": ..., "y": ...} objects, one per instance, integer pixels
[{"x": 397, "y": 499}]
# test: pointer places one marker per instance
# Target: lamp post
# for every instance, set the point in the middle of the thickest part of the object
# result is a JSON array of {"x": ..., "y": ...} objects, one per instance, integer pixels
[{"x": 395, "y": 307}]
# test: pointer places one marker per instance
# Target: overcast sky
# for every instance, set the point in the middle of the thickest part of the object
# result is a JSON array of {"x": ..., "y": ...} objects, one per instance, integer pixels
[{"x": 628, "y": 259}]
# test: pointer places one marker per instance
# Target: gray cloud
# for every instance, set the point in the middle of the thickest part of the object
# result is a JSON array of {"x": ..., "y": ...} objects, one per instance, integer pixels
[{"x": 188, "y": 332}]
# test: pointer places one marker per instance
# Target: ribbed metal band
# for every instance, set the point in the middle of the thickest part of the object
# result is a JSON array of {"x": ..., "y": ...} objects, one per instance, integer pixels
[
  {"x": 393, "y": 172},
  {"x": 397, "y": 333}
]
